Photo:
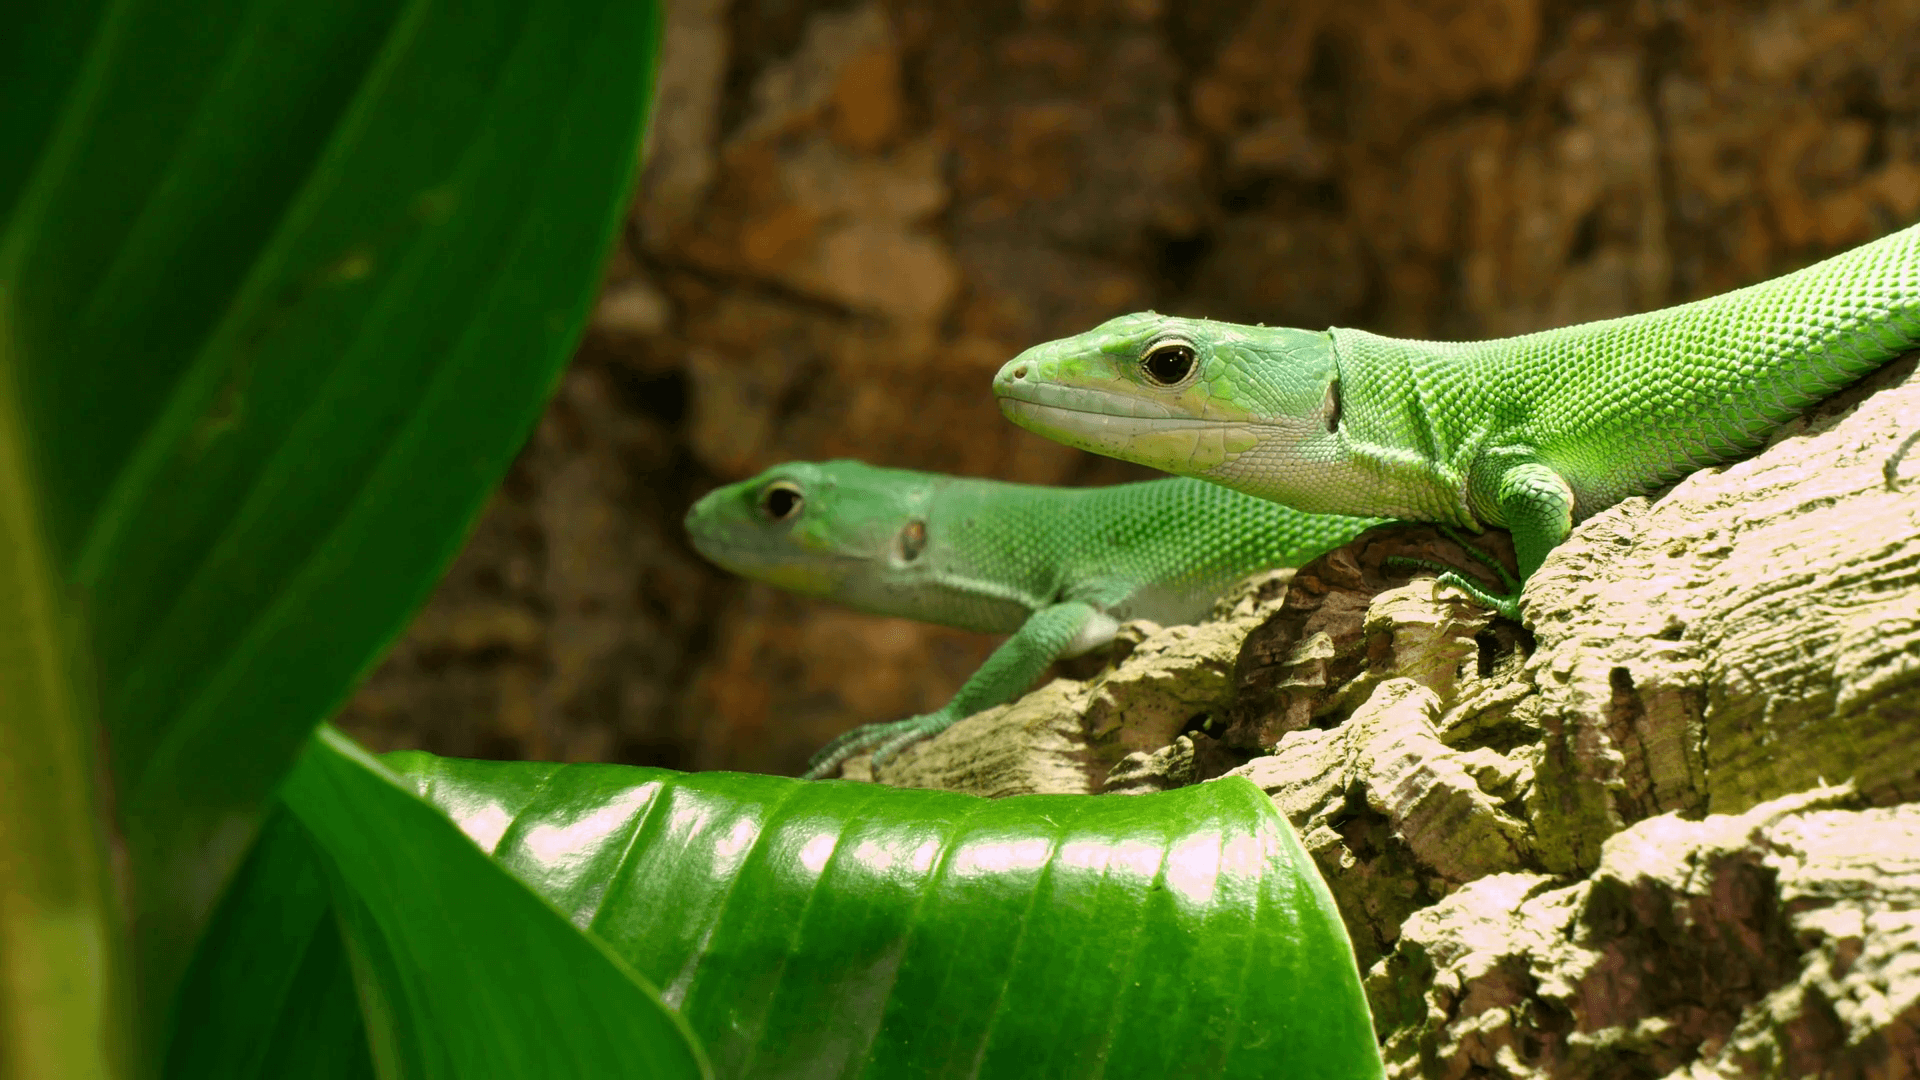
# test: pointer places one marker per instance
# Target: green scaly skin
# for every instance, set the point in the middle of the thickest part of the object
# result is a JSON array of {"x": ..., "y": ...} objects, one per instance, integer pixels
[
  {"x": 1533, "y": 433},
  {"x": 1058, "y": 568}
]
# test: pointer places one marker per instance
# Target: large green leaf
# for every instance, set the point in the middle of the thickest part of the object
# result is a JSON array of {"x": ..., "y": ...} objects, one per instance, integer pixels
[
  {"x": 282, "y": 288},
  {"x": 835, "y": 929},
  {"x": 366, "y": 928}
]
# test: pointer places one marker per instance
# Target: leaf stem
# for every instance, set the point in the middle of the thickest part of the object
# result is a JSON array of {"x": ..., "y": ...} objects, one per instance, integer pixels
[{"x": 63, "y": 999}]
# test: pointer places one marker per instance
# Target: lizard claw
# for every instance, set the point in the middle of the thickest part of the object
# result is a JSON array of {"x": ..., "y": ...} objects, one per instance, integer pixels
[
  {"x": 891, "y": 738},
  {"x": 1504, "y": 603},
  {"x": 1512, "y": 583},
  {"x": 1507, "y": 604}
]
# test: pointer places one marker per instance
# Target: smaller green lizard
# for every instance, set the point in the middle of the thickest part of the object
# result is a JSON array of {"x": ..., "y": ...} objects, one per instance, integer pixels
[{"x": 1058, "y": 568}]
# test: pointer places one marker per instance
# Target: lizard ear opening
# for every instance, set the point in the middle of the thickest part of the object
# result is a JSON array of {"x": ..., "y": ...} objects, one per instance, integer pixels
[
  {"x": 911, "y": 541},
  {"x": 1331, "y": 407}
]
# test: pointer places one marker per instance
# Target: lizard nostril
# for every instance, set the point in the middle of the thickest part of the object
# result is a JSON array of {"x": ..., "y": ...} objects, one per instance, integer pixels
[{"x": 1020, "y": 372}]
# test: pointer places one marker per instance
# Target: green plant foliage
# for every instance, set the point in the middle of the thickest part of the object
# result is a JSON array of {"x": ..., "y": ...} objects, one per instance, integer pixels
[
  {"x": 363, "y": 901},
  {"x": 282, "y": 288},
  {"x": 271, "y": 991},
  {"x": 62, "y": 979},
  {"x": 840, "y": 929}
]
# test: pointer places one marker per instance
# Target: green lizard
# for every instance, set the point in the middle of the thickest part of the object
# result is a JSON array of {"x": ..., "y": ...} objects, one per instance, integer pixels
[
  {"x": 1058, "y": 568},
  {"x": 1532, "y": 433}
]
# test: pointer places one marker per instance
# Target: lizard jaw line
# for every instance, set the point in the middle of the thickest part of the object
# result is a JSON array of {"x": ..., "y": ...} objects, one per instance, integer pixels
[
  {"x": 1088, "y": 400},
  {"x": 751, "y": 563},
  {"x": 1185, "y": 445},
  {"x": 1062, "y": 418}
]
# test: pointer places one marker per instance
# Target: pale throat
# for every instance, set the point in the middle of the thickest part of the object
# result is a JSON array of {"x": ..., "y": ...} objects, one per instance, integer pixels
[{"x": 1330, "y": 473}]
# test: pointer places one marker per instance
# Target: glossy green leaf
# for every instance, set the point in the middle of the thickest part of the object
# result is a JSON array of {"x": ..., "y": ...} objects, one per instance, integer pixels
[
  {"x": 836, "y": 929},
  {"x": 282, "y": 289},
  {"x": 361, "y": 901}
]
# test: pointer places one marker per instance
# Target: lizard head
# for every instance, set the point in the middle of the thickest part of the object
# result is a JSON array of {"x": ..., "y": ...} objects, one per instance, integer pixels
[
  {"x": 834, "y": 529},
  {"x": 1216, "y": 400}
]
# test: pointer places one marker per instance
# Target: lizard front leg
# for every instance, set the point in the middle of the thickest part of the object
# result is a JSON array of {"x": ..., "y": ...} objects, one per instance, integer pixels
[
  {"x": 1537, "y": 504},
  {"x": 1043, "y": 638}
]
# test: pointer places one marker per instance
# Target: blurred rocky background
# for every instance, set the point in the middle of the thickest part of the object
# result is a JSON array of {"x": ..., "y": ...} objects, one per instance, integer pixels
[{"x": 852, "y": 213}]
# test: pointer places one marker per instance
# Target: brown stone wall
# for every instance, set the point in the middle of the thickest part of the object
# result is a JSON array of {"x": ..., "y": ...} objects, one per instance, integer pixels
[{"x": 852, "y": 213}]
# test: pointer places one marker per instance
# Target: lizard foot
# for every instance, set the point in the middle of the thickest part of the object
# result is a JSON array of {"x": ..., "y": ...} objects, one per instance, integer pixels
[
  {"x": 1512, "y": 583},
  {"x": 1507, "y": 603},
  {"x": 890, "y": 738}
]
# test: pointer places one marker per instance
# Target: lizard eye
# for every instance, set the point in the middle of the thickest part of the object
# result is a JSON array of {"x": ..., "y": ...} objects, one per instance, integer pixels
[
  {"x": 781, "y": 500},
  {"x": 1168, "y": 364}
]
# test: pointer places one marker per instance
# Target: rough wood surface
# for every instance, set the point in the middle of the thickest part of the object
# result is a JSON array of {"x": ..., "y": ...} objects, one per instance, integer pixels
[
  {"x": 1075, "y": 736},
  {"x": 1784, "y": 941}
]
